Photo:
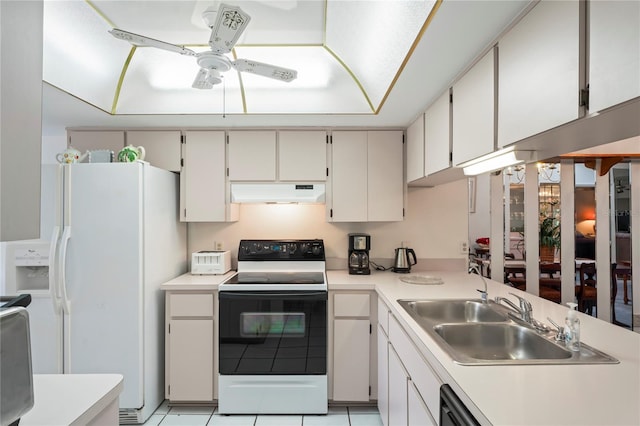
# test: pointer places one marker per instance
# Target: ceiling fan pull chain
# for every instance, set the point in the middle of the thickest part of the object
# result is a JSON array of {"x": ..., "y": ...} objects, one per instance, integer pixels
[{"x": 224, "y": 98}]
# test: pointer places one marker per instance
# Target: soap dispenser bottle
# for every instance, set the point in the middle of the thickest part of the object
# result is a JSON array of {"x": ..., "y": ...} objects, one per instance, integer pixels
[{"x": 572, "y": 328}]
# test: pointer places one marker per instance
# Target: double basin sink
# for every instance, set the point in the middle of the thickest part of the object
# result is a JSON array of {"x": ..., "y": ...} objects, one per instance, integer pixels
[{"x": 477, "y": 333}]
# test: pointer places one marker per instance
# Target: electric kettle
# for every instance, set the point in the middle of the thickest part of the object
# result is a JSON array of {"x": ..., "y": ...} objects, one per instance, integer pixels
[{"x": 402, "y": 263}]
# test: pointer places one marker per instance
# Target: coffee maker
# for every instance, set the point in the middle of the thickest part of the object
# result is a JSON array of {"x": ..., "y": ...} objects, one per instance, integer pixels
[{"x": 359, "y": 246}]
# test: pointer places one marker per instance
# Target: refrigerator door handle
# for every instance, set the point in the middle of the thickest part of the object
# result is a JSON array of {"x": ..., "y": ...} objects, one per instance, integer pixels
[
  {"x": 64, "y": 244},
  {"x": 53, "y": 270}
]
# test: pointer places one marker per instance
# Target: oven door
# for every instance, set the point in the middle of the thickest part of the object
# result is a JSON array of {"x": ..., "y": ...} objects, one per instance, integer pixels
[{"x": 273, "y": 332}]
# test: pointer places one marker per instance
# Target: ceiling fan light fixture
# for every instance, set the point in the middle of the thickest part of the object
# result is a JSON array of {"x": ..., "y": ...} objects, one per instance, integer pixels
[{"x": 214, "y": 77}]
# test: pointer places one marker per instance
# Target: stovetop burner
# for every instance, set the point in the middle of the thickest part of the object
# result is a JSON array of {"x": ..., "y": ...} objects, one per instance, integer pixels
[
  {"x": 277, "y": 278},
  {"x": 279, "y": 265}
]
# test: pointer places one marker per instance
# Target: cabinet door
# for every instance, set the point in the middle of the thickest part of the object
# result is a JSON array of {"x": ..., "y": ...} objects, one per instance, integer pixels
[
  {"x": 415, "y": 150},
  {"x": 351, "y": 360},
  {"x": 385, "y": 176},
  {"x": 190, "y": 360},
  {"x": 302, "y": 156},
  {"x": 92, "y": 140},
  {"x": 437, "y": 135},
  {"x": 252, "y": 156},
  {"x": 202, "y": 179},
  {"x": 398, "y": 398},
  {"x": 349, "y": 176},
  {"x": 418, "y": 413},
  {"x": 162, "y": 148},
  {"x": 614, "y": 53},
  {"x": 383, "y": 376},
  {"x": 474, "y": 112},
  {"x": 539, "y": 71}
]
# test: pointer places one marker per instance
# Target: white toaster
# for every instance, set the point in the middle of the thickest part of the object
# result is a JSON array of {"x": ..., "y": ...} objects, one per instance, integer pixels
[{"x": 214, "y": 262}]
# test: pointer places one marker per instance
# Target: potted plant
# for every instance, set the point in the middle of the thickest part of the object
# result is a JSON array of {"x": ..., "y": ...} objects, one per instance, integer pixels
[{"x": 549, "y": 238}]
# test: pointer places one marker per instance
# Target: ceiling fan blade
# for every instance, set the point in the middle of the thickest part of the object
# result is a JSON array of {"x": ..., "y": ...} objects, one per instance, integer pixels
[
  {"x": 138, "y": 40},
  {"x": 229, "y": 26},
  {"x": 265, "y": 70}
]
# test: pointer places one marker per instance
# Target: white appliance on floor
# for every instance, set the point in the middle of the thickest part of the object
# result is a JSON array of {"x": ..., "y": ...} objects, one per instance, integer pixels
[
  {"x": 116, "y": 239},
  {"x": 272, "y": 330}
]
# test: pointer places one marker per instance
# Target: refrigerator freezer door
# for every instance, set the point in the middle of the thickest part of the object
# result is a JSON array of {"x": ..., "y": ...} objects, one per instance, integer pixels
[
  {"x": 46, "y": 336},
  {"x": 104, "y": 274}
]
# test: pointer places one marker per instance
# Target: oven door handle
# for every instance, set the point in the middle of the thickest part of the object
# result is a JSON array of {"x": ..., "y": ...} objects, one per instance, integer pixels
[{"x": 264, "y": 295}]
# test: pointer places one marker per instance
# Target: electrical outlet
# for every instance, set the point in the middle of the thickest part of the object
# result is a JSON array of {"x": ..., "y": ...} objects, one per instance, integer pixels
[
  {"x": 464, "y": 247},
  {"x": 218, "y": 246}
]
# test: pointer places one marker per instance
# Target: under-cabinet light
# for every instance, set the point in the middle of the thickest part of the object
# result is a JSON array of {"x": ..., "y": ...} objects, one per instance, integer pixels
[{"x": 496, "y": 160}]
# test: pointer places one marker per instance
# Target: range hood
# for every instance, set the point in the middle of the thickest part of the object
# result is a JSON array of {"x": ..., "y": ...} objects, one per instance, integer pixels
[{"x": 278, "y": 193}]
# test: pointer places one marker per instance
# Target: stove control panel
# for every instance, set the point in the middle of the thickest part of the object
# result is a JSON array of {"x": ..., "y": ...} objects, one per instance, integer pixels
[{"x": 267, "y": 250}]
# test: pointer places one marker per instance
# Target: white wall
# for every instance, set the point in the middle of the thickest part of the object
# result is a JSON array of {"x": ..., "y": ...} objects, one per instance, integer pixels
[
  {"x": 479, "y": 222},
  {"x": 20, "y": 118},
  {"x": 435, "y": 225}
]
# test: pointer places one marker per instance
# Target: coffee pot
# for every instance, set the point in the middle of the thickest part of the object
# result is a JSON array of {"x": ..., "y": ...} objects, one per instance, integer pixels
[
  {"x": 359, "y": 246},
  {"x": 402, "y": 262}
]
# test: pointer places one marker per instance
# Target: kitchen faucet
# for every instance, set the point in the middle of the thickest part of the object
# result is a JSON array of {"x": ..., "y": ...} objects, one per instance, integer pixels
[
  {"x": 473, "y": 267},
  {"x": 524, "y": 310}
]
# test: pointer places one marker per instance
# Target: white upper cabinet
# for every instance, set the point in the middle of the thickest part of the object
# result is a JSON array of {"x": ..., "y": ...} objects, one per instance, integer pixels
[
  {"x": 349, "y": 176},
  {"x": 367, "y": 178},
  {"x": 203, "y": 179},
  {"x": 91, "y": 140},
  {"x": 252, "y": 155},
  {"x": 474, "y": 111},
  {"x": 385, "y": 186},
  {"x": 162, "y": 147},
  {"x": 302, "y": 155},
  {"x": 437, "y": 135},
  {"x": 415, "y": 150},
  {"x": 539, "y": 64},
  {"x": 614, "y": 53}
]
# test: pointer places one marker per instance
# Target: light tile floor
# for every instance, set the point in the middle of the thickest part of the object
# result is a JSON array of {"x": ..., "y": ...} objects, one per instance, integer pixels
[{"x": 207, "y": 416}]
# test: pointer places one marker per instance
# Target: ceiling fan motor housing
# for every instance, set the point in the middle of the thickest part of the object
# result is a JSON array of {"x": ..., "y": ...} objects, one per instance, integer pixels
[{"x": 214, "y": 61}]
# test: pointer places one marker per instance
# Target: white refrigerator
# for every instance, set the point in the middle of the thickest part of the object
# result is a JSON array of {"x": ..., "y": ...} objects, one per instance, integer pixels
[{"x": 117, "y": 237}]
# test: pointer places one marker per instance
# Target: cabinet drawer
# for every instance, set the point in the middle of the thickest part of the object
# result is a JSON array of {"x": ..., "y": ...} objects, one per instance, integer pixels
[
  {"x": 424, "y": 378},
  {"x": 191, "y": 305},
  {"x": 383, "y": 316},
  {"x": 351, "y": 305}
]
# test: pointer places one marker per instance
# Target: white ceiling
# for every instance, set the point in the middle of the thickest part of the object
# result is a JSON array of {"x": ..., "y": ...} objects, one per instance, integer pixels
[{"x": 460, "y": 32}]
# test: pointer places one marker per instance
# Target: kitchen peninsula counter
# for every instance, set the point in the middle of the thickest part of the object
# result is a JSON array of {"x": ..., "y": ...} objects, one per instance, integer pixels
[
  {"x": 74, "y": 399},
  {"x": 604, "y": 394}
]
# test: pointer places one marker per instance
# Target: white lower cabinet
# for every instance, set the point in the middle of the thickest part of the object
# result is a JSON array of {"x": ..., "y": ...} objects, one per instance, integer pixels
[
  {"x": 398, "y": 398},
  {"x": 352, "y": 373},
  {"x": 383, "y": 376},
  {"x": 408, "y": 388},
  {"x": 418, "y": 412},
  {"x": 189, "y": 369}
]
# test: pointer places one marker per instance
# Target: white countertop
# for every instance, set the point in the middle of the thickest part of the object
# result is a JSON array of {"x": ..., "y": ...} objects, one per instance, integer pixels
[
  {"x": 525, "y": 394},
  {"x": 196, "y": 282},
  {"x": 71, "y": 399}
]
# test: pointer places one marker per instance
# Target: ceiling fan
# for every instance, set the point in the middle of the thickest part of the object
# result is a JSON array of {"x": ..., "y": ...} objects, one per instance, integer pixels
[{"x": 227, "y": 25}]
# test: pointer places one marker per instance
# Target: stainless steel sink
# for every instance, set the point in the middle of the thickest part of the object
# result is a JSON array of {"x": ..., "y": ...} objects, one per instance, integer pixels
[
  {"x": 476, "y": 333},
  {"x": 447, "y": 311},
  {"x": 498, "y": 342}
]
